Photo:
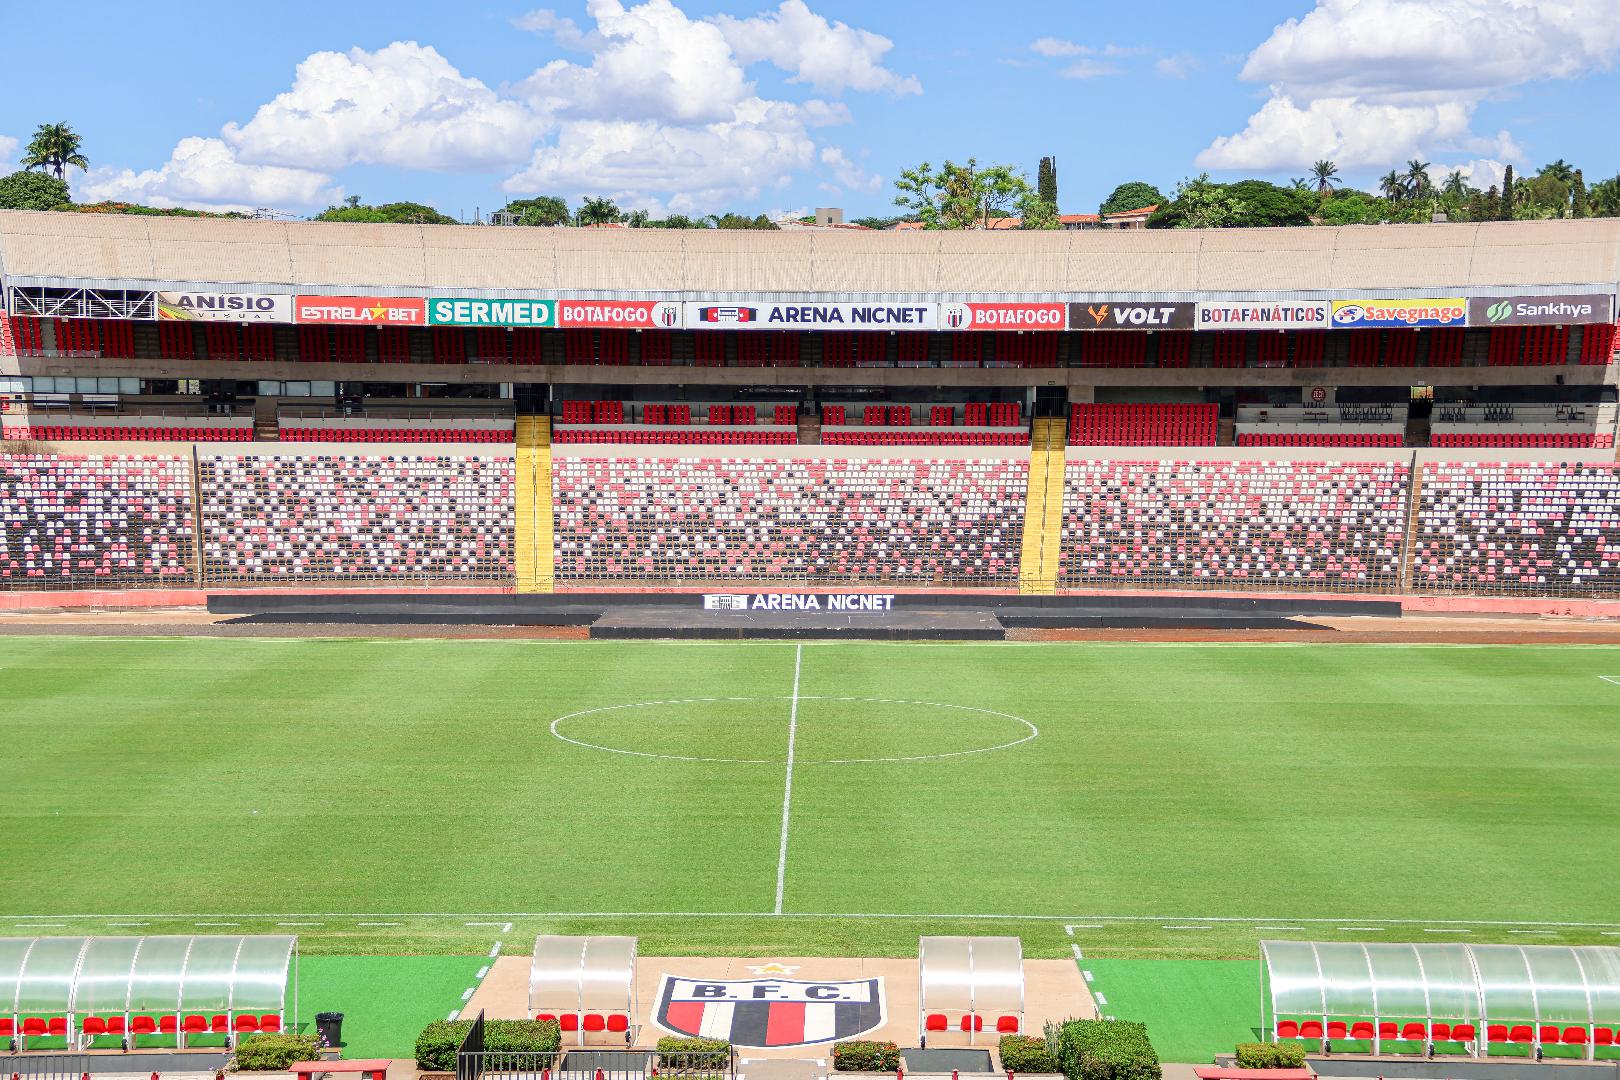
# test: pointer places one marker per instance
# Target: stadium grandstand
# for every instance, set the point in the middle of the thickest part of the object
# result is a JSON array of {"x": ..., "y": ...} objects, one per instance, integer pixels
[{"x": 1415, "y": 409}]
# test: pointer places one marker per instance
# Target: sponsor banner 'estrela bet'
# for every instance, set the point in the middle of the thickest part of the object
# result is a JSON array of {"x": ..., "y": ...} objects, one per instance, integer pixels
[
  {"x": 459, "y": 311},
  {"x": 223, "y": 307},
  {"x": 1296, "y": 315},
  {"x": 702, "y": 315},
  {"x": 636, "y": 314},
  {"x": 1367, "y": 314},
  {"x": 770, "y": 1012},
  {"x": 955, "y": 316},
  {"x": 1131, "y": 315},
  {"x": 363, "y": 310},
  {"x": 1552, "y": 310}
]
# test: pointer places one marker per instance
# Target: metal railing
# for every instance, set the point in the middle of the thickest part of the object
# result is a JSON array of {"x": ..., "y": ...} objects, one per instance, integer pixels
[{"x": 44, "y": 1066}]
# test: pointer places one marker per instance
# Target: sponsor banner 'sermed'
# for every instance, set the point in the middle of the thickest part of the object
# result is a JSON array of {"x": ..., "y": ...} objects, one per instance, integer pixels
[
  {"x": 770, "y": 1012},
  {"x": 461, "y": 311},
  {"x": 706, "y": 315},
  {"x": 1106, "y": 314},
  {"x": 1292, "y": 315},
  {"x": 964, "y": 316},
  {"x": 1552, "y": 309},
  {"x": 224, "y": 307},
  {"x": 1367, "y": 314},
  {"x": 363, "y": 310},
  {"x": 635, "y": 314}
]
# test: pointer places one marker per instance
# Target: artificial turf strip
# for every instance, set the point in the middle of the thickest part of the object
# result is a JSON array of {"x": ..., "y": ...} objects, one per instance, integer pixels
[
  {"x": 1264, "y": 784},
  {"x": 1193, "y": 1009},
  {"x": 386, "y": 1001}
]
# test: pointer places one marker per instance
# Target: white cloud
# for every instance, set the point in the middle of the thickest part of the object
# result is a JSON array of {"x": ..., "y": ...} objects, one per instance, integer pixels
[
  {"x": 1177, "y": 66},
  {"x": 848, "y": 174},
  {"x": 8, "y": 147},
  {"x": 1368, "y": 83},
  {"x": 562, "y": 29},
  {"x": 1051, "y": 46},
  {"x": 1483, "y": 173},
  {"x": 1089, "y": 69},
  {"x": 205, "y": 174},
  {"x": 830, "y": 56},
  {"x": 403, "y": 105}
]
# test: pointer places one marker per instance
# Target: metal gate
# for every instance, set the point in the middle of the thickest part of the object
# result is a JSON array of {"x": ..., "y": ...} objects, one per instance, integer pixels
[{"x": 44, "y": 1066}]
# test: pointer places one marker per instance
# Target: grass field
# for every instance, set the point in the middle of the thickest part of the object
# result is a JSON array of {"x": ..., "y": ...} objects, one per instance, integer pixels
[{"x": 1178, "y": 801}]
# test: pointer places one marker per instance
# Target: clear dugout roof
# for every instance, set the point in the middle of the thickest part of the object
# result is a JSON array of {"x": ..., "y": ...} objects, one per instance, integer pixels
[
  {"x": 158, "y": 975},
  {"x": 1553, "y": 984}
]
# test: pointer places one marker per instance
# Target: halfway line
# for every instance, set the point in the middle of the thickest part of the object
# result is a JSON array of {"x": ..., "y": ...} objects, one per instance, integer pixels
[{"x": 787, "y": 791}]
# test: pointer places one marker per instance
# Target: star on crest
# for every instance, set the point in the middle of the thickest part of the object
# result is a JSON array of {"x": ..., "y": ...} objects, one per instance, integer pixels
[{"x": 772, "y": 968}]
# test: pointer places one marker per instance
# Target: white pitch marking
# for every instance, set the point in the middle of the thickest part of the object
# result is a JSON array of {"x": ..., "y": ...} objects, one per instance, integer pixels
[
  {"x": 1610, "y": 679},
  {"x": 278, "y": 924},
  {"x": 1078, "y": 955},
  {"x": 1371, "y": 929},
  {"x": 47, "y": 925},
  {"x": 1089, "y": 976},
  {"x": 787, "y": 790},
  {"x": 128, "y": 924},
  {"x": 506, "y": 927},
  {"x": 1610, "y": 933},
  {"x": 1554, "y": 932},
  {"x": 1069, "y": 930},
  {"x": 1089, "y": 926},
  {"x": 217, "y": 924},
  {"x": 482, "y": 972},
  {"x": 466, "y": 995},
  {"x": 1189, "y": 928},
  {"x": 496, "y": 951},
  {"x": 377, "y": 924},
  {"x": 1430, "y": 930},
  {"x": 453, "y": 1012},
  {"x": 1279, "y": 928},
  {"x": 1101, "y": 1000}
]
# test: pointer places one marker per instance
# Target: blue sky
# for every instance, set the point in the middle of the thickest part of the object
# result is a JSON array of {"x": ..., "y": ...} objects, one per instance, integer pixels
[{"x": 781, "y": 105}]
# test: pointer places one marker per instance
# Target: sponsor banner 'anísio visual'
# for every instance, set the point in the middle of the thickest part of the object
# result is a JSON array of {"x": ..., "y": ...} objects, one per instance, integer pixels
[
  {"x": 634, "y": 314},
  {"x": 704, "y": 315},
  {"x": 224, "y": 307},
  {"x": 363, "y": 310},
  {"x": 961, "y": 316},
  {"x": 1295, "y": 315},
  {"x": 1556, "y": 309},
  {"x": 1106, "y": 314},
  {"x": 461, "y": 311},
  {"x": 1369, "y": 314}
]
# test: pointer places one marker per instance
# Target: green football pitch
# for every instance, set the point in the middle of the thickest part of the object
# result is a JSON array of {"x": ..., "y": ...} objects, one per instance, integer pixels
[{"x": 435, "y": 796}]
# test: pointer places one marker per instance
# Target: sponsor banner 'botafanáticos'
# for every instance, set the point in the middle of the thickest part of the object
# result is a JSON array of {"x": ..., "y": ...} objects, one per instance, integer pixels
[
  {"x": 962, "y": 316},
  {"x": 363, "y": 310},
  {"x": 1104, "y": 314},
  {"x": 1557, "y": 309},
  {"x": 1369, "y": 314},
  {"x": 1294, "y": 315},
  {"x": 633, "y": 314}
]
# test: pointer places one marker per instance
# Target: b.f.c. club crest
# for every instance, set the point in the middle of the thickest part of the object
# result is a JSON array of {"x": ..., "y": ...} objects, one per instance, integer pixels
[{"x": 770, "y": 1012}]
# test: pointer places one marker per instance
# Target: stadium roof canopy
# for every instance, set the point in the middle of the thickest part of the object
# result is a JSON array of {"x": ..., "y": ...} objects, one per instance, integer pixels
[
  {"x": 582, "y": 974},
  {"x": 975, "y": 975},
  {"x": 1478, "y": 984},
  {"x": 192, "y": 254},
  {"x": 88, "y": 976}
]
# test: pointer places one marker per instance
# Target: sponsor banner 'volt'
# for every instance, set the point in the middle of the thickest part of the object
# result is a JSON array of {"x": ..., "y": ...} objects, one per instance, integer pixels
[
  {"x": 363, "y": 310},
  {"x": 1131, "y": 315},
  {"x": 460, "y": 311},
  {"x": 702, "y": 315},
  {"x": 1310, "y": 315},
  {"x": 633, "y": 314},
  {"x": 224, "y": 307},
  {"x": 1368, "y": 314},
  {"x": 1556, "y": 309},
  {"x": 770, "y": 1012},
  {"x": 1002, "y": 316}
]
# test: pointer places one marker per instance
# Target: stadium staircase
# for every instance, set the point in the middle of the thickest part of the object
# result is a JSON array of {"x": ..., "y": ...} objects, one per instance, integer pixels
[
  {"x": 532, "y": 539},
  {"x": 266, "y": 426},
  {"x": 1043, "y": 508},
  {"x": 8, "y": 344},
  {"x": 1414, "y": 503}
]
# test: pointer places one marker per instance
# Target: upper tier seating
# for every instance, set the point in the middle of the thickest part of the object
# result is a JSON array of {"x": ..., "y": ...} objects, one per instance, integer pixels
[
  {"x": 94, "y": 522},
  {"x": 812, "y": 521},
  {"x": 1144, "y": 425},
  {"x": 1333, "y": 525},
  {"x": 127, "y": 427},
  {"x": 1518, "y": 528},
  {"x": 400, "y": 519}
]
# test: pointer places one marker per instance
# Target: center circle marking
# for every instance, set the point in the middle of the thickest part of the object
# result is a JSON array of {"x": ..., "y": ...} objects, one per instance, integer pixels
[{"x": 1032, "y": 731}]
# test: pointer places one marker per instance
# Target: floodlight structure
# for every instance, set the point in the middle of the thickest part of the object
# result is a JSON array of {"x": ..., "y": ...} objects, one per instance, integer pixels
[
  {"x": 587, "y": 985},
  {"x": 969, "y": 989}
]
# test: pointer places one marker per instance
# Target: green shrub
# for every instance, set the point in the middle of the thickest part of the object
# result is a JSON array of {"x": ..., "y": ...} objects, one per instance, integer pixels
[
  {"x": 437, "y": 1045},
  {"x": 866, "y": 1055},
  {"x": 273, "y": 1053},
  {"x": 1106, "y": 1050},
  {"x": 1285, "y": 1055},
  {"x": 680, "y": 1053},
  {"x": 1026, "y": 1054}
]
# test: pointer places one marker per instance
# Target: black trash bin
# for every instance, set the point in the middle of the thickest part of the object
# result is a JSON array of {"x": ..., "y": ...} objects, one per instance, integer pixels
[{"x": 329, "y": 1025}]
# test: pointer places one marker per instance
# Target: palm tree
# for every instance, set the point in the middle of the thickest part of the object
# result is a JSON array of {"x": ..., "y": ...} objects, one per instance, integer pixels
[
  {"x": 1326, "y": 174},
  {"x": 1299, "y": 184},
  {"x": 1417, "y": 176},
  {"x": 1455, "y": 186},
  {"x": 1560, "y": 170},
  {"x": 54, "y": 147},
  {"x": 1393, "y": 185}
]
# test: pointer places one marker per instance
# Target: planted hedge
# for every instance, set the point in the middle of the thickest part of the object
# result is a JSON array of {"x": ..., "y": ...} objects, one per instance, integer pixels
[
  {"x": 273, "y": 1053},
  {"x": 1106, "y": 1050},
  {"x": 680, "y": 1053},
  {"x": 866, "y": 1055},
  {"x": 1288, "y": 1055},
  {"x": 1026, "y": 1054},
  {"x": 437, "y": 1045}
]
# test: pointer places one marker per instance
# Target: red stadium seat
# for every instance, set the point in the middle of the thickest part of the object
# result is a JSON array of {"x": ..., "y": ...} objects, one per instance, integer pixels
[
  {"x": 569, "y": 1021},
  {"x": 194, "y": 1025},
  {"x": 1415, "y": 1032},
  {"x": 1337, "y": 1029},
  {"x": 1007, "y": 1025},
  {"x": 1388, "y": 1029},
  {"x": 34, "y": 1026},
  {"x": 219, "y": 1023},
  {"x": 595, "y": 1022},
  {"x": 1463, "y": 1033},
  {"x": 143, "y": 1025},
  {"x": 1521, "y": 1033},
  {"x": 8, "y": 1027},
  {"x": 1310, "y": 1029},
  {"x": 1548, "y": 1034},
  {"x": 93, "y": 1026},
  {"x": 936, "y": 1022},
  {"x": 245, "y": 1024},
  {"x": 972, "y": 1022},
  {"x": 1603, "y": 1036},
  {"x": 546, "y": 1016},
  {"x": 116, "y": 1025},
  {"x": 57, "y": 1026},
  {"x": 1573, "y": 1036},
  {"x": 270, "y": 1022},
  {"x": 1440, "y": 1032},
  {"x": 1496, "y": 1033},
  {"x": 618, "y": 1022}
]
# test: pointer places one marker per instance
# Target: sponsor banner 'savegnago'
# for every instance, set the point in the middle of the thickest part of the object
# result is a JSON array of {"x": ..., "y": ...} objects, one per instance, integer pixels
[
  {"x": 634, "y": 314},
  {"x": 224, "y": 307},
  {"x": 1104, "y": 314},
  {"x": 962, "y": 316},
  {"x": 1549, "y": 310},
  {"x": 1367, "y": 314},
  {"x": 703, "y": 315},
  {"x": 1293, "y": 315},
  {"x": 461, "y": 311},
  {"x": 363, "y": 310}
]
